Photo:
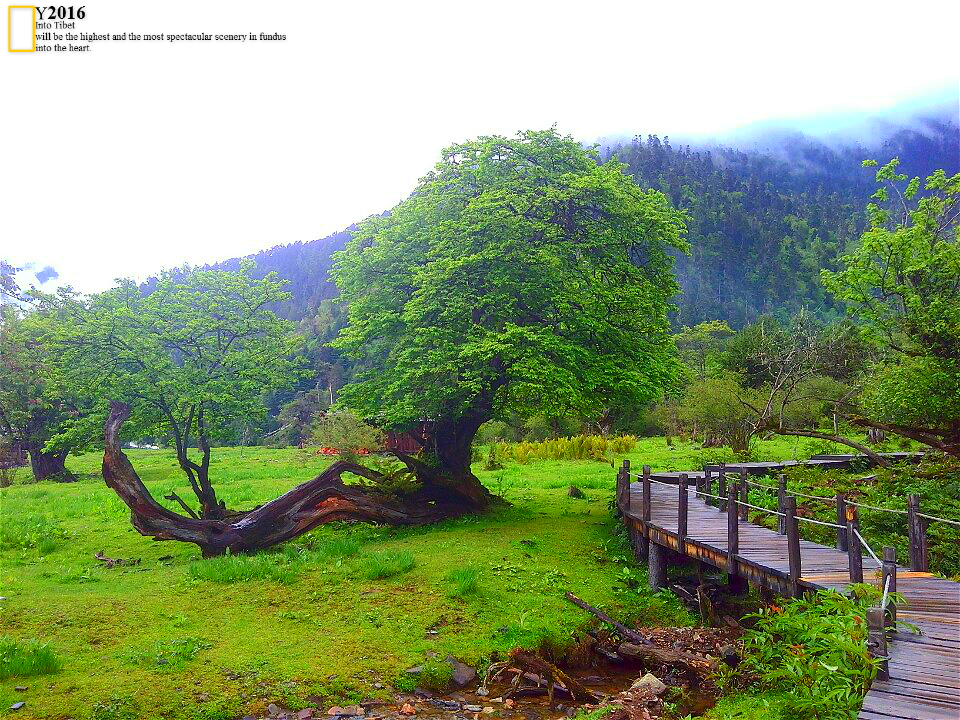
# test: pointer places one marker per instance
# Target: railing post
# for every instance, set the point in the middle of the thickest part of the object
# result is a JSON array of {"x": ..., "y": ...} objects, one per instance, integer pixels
[
  {"x": 890, "y": 571},
  {"x": 619, "y": 490},
  {"x": 744, "y": 490},
  {"x": 918, "y": 535},
  {"x": 682, "y": 508},
  {"x": 708, "y": 484},
  {"x": 877, "y": 640},
  {"x": 733, "y": 530},
  {"x": 842, "y": 521},
  {"x": 781, "y": 503},
  {"x": 722, "y": 487},
  {"x": 854, "y": 551},
  {"x": 626, "y": 487},
  {"x": 793, "y": 542},
  {"x": 646, "y": 494}
]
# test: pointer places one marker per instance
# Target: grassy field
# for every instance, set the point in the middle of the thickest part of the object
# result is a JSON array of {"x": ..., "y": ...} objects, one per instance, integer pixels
[{"x": 334, "y": 615}]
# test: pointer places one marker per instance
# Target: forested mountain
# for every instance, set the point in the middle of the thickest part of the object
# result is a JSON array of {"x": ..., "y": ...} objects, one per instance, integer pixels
[{"x": 762, "y": 222}]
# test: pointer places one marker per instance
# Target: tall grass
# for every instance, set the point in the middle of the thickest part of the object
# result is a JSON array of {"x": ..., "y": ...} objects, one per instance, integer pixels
[
  {"x": 19, "y": 658},
  {"x": 463, "y": 580},
  {"x": 386, "y": 564},
  {"x": 226, "y": 569},
  {"x": 578, "y": 447},
  {"x": 30, "y": 531}
]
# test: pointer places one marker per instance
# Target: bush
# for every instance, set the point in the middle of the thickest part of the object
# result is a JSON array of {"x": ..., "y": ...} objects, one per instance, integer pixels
[
  {"x": 19, "y": 658},
  {"x": 435, "y": 675},
  {"x": 386, "y": 564},
  {"x": 814, "y": 649},
  {"x": 578, "y": 447},
  {"x": 344, "y": 432}
]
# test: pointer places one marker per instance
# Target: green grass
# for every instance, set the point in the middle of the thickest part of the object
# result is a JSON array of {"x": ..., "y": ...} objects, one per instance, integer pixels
[
  {"x": 19, "y": 658},
  {"x": 110, "y": 627},
  {"x": 463, "y": 580},
  {"x": 387, "y": 563},
  {"x": 244, "y": 568}
]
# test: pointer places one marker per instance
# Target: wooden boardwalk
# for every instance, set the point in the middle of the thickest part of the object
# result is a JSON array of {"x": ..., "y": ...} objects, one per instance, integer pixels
[{"x": 924, "y": 668}]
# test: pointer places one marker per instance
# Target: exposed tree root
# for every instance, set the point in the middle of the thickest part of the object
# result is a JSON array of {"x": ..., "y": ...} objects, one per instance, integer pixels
[{"x": 324, "y": 499}]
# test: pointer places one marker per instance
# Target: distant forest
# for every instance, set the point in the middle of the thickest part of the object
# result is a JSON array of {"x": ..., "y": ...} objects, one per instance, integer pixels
[{"x": 761, "y": 226}]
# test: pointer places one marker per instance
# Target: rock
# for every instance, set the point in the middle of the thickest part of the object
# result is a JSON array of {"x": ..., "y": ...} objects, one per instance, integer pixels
[
  {"x": 421, "y": 693},
  {"x": 463, "y": 674},
  {"x": 415, "y": 670},
  {"x": 575, "y": 492},
  {"x": 482, "y": 692},
  {"x": 352, "y": 711},
  {"x": 730, "y": 655},
  {"x": 488, "y": 710},
  {"x": 649, "y": 682},
  {"x": 304, "y": 714},
  {"x": 408, "y": 709},
  {"x": 378, "y": 685},
  {"x": 273, "y": 709},
  {"x": 335, "y": 710},
  {"x": 448, "y": 705},
  {"x": 21, "y": 688},
  {"x": 17, "y": 705},
  {"x": 509, "y": 703},
  {"x": 248, "y": 717},
  {"x": 473, "y": 708}
]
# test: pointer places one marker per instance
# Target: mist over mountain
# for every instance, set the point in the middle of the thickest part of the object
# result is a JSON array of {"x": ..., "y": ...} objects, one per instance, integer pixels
[{"x": 765, "y": 215}]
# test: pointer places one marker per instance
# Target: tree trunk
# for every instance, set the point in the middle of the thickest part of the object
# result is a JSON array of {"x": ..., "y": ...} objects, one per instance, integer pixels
[
  {"x": 49, "y": 465},
  {"x": 324, "y": 499}
]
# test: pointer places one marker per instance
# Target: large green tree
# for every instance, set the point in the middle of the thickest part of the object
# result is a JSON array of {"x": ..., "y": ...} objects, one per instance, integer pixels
[
  {"x": 519, "y": 276},
  {"x": 191, "y": 358},
  {"x": 37, "y": 409},
  {"x": 903, "y": 282}
]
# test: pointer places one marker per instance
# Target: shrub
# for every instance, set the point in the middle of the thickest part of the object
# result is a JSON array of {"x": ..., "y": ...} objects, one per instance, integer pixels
[
  {"x": 385, "y": 564},
  {"x": 463, "y": 580},
  {"x": 346, "y": 433},
  {"x": 22, "y": 658},
  {"x": 435, "y": 675},
  {"x": 814, "y": 649},
  {"x": 244, "y": 568},
  {"x": 577, "y": 447}
]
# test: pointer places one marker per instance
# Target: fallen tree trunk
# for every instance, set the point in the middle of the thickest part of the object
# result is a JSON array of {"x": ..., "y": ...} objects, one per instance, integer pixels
[
  {"x": 621, "y": 628},
  {"x": 664, "y": 656},
  {"x": 324, "y": 499}
]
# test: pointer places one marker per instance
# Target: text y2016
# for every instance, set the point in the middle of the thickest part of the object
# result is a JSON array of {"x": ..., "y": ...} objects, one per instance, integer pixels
[{"x": 54, "y": 12}]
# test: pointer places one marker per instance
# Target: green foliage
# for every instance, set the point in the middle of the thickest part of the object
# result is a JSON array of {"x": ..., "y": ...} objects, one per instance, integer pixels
[
  {"x": 519, "y": 276},
  {"x": 902, "y": 281},
  {"x": 578, "y": 447},
  {"x": 346, "y": 433},
  {"x": 814, "y": 649},
  {"x": 463, "y": 580},
  {"x": 701, "y": 343},
  {"x": 386, "y": 563},
  {"x": 714, "y": 406},
  {"x": 227, "y": 569},
  {"x": 24, "y": 658}
]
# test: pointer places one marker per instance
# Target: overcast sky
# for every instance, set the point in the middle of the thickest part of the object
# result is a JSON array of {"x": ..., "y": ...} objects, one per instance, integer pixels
[{"x": 136, "y": 157}]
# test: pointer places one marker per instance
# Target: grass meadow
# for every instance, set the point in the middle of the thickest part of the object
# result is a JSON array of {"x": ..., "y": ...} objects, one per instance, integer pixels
[{"x": 335, "y": 616}]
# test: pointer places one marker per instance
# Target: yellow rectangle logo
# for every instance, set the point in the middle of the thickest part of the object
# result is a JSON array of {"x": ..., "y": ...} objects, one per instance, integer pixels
[{"x": 22, "y": 28}]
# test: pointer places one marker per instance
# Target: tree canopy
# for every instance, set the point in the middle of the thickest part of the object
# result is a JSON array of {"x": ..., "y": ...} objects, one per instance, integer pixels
[
  {"x": 903, "y": 282},
  {"x": 192, "y": 356},
  {"x": 520, "y": 275}
]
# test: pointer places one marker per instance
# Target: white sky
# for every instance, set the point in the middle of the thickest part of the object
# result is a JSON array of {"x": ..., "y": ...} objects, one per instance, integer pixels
[{"x": 136, "y": 157}]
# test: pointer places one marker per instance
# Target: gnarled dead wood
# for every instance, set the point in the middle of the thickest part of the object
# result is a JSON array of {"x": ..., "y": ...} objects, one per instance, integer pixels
[
  {"x": 324, "y": 499},
  {"x": 664, "y": 656},
  {"x": 551, "y": 673}
]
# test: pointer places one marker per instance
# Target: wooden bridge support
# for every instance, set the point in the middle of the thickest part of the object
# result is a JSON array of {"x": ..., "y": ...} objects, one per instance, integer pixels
[{"x": 657, "y": 561}]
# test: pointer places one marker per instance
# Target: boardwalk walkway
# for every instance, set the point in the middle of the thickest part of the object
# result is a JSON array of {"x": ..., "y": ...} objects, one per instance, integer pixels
[{"x": 924, "y": 669}]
